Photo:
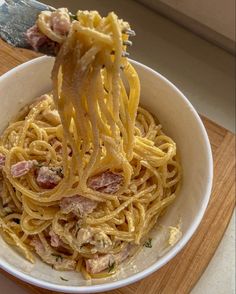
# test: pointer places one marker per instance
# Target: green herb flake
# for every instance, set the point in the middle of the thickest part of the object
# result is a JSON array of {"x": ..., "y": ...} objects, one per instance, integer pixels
[
  {"x": 58, "y": 257},
  {"x": 73, "y": 17},
  {"x": 39, "y": 164},
  {"x": 148, "y": 243},
  {"x": 59, "y": 172},
  {"x": 111, "y": 266},
  {"x": 63, "y": 279},
  {"x": 78, "y": 226}
]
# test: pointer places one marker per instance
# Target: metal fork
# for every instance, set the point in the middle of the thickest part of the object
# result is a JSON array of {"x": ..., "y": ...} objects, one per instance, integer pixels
[{"x": 16, "y": 16}]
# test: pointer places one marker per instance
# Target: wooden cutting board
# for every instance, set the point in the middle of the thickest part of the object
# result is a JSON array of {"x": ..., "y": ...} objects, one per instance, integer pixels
[{"x": 181, "y": 273}]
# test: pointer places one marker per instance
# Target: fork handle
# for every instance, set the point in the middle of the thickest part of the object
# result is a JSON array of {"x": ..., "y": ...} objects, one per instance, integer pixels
[{"x": 16, "y": 16}]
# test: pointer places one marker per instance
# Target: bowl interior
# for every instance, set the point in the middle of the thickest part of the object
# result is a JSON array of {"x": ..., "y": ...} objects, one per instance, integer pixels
[{"x": 19, "y": 86}]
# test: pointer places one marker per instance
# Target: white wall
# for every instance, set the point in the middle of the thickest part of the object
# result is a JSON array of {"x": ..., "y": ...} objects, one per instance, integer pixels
[{"x": 218, "y": 15}]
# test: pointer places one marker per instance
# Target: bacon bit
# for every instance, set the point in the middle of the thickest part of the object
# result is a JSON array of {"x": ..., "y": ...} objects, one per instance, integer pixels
[
  {"x": 60, "y": 21},
  {"x": 96, "y": 265},
  {"x": 121, "y": 256},
  {"x": 21, "y": 168},
  {"x": 37, "y": 244},
  {"x": 102, "y": 262},
  {"x": 47, "y": 177},
  {"x": 77, "y": 204},
  {"x": 55, "y": 239},
  {"x": 107, "y": 182},
  {"x": 58, "y": 147},
  {"x": 55, "y": 143},
  {"x": 40, "y": 42},
  {"x": 35, "y": 37},
  {"x": 58, "y": 261},
  {"x": 2, "y": 160},
  {"x": 111, "y": 189}
]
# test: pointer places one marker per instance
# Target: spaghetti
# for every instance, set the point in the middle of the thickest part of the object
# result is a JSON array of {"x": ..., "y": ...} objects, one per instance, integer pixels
[{"x": 86, "y": 172}]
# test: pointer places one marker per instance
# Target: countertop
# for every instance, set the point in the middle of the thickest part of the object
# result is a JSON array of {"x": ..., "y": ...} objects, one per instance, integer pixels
[{"x": 205, "y": 74}]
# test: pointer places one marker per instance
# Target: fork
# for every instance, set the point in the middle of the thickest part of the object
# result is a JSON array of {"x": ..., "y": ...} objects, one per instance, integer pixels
[{"x": 17, "y": 16}]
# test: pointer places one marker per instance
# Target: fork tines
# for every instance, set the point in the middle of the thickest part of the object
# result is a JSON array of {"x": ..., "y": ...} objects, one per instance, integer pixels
[
  {"x": 125, "y": 54},
  {"x": 127, "y": 43},
  {"x": 129, "y": 32}
]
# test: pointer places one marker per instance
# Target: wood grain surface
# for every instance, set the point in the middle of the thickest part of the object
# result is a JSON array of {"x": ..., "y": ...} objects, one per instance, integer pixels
[{"x": 181, "y": 273}]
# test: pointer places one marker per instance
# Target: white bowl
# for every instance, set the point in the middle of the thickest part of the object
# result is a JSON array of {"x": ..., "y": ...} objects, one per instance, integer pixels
[{"x": 179, "y": 119}]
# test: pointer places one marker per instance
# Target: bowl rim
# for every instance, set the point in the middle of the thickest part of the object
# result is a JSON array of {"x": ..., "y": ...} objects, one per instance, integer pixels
[{"x": 172, "y": 252}]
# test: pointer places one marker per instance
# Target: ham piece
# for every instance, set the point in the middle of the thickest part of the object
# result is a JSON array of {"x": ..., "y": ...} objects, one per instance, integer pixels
[
  {"x": 59, "y": 22},
  {"x": 48, "y": 178},
  {"x": 21, "y": 168},
  {"x": 107, "y": 182},
  {"x": 58, "y": 261},
  {"x": 77, "y": 204},
  {"x": 40, "y": 42},
  {"x": 2, "y": 160},
  {"x": 55, "y": 239},
  {"x": 102, "y": 262}
]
